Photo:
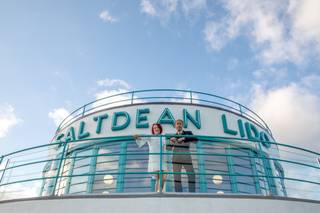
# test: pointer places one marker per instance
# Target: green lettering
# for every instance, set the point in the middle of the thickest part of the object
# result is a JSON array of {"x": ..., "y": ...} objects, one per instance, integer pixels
[
  {"x": 250, "y": 128},
  {"x": 82, "y": 133},
  {"x": 225, "y": 126},
  {"x": 140, "y": 118},
  {"x": 115, "y": 125},
  {"x": 241, "y": 128},
  {"x": 70, "y": 136},
  {"x": 166, "y": 117},
  {"x": 99, "y": 119},
  {"x": 187, "y": 116}
]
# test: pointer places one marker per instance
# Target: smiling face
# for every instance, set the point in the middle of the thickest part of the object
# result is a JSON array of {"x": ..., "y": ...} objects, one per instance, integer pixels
[
  {"x": 156, "y": 130},
  {"x": 179, "y": 125}
]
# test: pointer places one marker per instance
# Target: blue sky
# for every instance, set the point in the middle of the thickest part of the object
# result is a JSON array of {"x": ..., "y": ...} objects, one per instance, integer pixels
[{"x": 260, "y": 53}]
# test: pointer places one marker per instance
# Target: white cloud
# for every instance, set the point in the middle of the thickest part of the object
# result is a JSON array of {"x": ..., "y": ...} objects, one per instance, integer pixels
[
  {"x": 185, "y": 97},
  {"x": 20, "y": 190},
  {"x": 112, "y": 101},
  {"x": 279, "y": 31},
  {"x": 8, "y": 119},
  {"x": 58, "y": 115},
  {"x": 271, "y": 75},
  {"x": 114, "y": 83},
  {"x": 147, "y": 7},
  {"x": 215, "y": 35},
  {"x": 306, "y": 17},
  {"x": 164, "y": 9},
  {"x": 292, "y": 112},
  {"x": 107, "y": 17},
  {"x": 111, "y": 87},
  {"x": 189, "y": 5},
  {"x": 312, "y": 82}
]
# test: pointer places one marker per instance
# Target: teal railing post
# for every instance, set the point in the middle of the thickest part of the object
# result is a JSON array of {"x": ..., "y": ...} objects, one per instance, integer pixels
[
  {"x": 266, "y": 167},
  {"x": 4, "y": 170},
  {"x": 132, "y": 97},
  {"x": 92, "y": 170},
  {"x": 201, "y": 166},
  {"x": 255, "y": 172},
  {"x": 83, "y": 110},
  {"x": 160, "y": 170},
  {"x": 168, "y": 158},
  {"x": 152, "y": 184},
  {"x": 122, "y": 167},
  {"x": 240, "y": 109},
  {"x": 1, "y": 158},
  {"x": 233, "y": 177},
  {"x": 63, "y": 155},
  {"x": 72, "y": 162}
]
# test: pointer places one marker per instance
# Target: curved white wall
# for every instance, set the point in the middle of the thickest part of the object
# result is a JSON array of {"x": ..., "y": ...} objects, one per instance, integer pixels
[
  {"x": 161, "y": 204},
  {"x": 210, "y": 119}
]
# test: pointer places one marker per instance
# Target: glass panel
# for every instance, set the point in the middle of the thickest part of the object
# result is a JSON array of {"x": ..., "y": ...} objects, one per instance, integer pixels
[
  {"x": 107, "y": 167},
  {"x": 242, "y": 168},
  {"x": 78, "y": 184}
]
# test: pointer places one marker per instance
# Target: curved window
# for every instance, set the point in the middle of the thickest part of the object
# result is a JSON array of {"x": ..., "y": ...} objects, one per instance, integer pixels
[{"x": 122, "y": 166}]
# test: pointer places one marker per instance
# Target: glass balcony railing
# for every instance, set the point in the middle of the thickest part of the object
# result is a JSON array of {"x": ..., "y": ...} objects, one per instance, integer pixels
[{"x": 151, "y": 164}]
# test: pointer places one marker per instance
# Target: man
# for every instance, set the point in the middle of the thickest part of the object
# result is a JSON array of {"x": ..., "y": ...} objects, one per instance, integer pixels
[{"x": 180, "y": 144}]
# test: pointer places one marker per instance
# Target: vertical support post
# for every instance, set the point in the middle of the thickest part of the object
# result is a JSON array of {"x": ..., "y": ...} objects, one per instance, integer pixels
[
  {"x": 83, "y": 110},
  {"x": 63, "y": 154},
  {"x": 201, "y": 167},
  {"x": 132, "y": 96},
  {"x": 2, "y": 175},
  {"x": 72, "y": 162},
  {"x": 169, "y": 182},
  {"x": 160, "y": 170},
  {"x": 240, "y": 108},
  {"x": 92, "y": 170},
  {"x": 122, "y": 167},
  {"x": 255, "y": 172},
  {"x": 4, "y": 169},
  {"x": 152, "y": 184},
  {"x": 233, "y": 178},
  {"x": 190, "y": 96},
  {"x": 42, "y": 186},
  {"x": 266, "y": 167},
  {"x": 1, "y": 158}
]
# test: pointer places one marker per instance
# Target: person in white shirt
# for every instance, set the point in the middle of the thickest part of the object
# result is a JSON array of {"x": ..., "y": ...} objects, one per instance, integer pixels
[{"x": 154, "y": 144}]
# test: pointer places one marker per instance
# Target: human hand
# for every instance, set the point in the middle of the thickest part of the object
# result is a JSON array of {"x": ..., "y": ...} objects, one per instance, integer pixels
[
  {"x": 180, "y": 140},
  {"x": 173, "y": 140}
]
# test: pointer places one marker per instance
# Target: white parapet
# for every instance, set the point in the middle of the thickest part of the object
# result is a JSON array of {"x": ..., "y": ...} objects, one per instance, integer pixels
[{"x": 160, "y": 204}]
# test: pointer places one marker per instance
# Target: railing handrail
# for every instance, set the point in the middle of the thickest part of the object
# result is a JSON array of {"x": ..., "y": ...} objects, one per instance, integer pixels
[
  {"x": 222, "y": 140},
  {"x": 83, "y": 109},
  {"x": 202, "y": 137}
]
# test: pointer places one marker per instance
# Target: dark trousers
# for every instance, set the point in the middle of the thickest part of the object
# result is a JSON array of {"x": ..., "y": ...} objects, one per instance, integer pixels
[{"x": 185, "y": 161}]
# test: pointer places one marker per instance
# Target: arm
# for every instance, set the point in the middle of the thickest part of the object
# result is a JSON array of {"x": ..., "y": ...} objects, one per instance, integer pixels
[
  {"x": 141, "y": 140},
  {"x": 189, "y": 139},
  {"x": 171, "y": 141}
]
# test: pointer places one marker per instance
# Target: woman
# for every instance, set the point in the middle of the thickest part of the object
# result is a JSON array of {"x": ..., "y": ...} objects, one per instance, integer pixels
[{"x": 154, "y": 147}]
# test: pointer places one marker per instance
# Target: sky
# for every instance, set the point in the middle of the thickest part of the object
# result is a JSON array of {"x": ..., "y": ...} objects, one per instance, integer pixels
[{"x": 57, "y": 55}]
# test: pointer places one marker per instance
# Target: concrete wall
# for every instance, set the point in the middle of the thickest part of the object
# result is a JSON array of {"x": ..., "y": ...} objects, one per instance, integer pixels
[{"x": 163, "y": 204}]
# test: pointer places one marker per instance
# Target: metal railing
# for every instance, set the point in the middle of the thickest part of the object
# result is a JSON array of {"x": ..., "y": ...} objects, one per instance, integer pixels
[
  {"x": 163, "y": 95},
  {"x": 118, "y": 165}
]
